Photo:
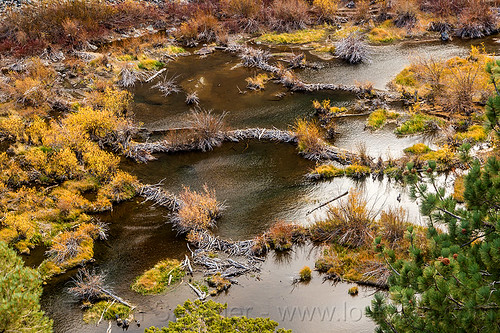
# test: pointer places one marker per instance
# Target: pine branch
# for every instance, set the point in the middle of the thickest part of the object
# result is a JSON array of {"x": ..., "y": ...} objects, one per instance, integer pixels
[
  {"x": 450, "y": 213},
  {"x": 476, "y": 238}
]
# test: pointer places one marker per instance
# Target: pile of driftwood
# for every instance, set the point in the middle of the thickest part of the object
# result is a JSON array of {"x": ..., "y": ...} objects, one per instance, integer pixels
[
  {"x": 159, "y": 196},
  {"x": 227, "y": 267},
  {"x": 205, "y": 241},
  {"x": 261, "y": 134}
]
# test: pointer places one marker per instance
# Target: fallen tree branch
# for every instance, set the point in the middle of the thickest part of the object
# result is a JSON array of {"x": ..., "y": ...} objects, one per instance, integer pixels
[
  {"x": 201, "y": 295},
  {"x": 326, "y": 203}
]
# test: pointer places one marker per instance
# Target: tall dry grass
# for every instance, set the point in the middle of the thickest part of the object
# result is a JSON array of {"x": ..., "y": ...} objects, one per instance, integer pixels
[
  {"x": 198, "y": 211},
  {"x": 349, "y": 223}
]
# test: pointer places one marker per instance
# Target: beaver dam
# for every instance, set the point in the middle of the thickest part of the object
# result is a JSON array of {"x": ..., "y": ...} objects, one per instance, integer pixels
[
  {"x": 260, "y": 180},
  {"x": 308, "y": 164}
]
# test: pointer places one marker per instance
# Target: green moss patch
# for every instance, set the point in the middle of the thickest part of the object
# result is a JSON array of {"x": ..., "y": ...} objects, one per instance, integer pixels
[
  {"x": 330, "y": 171},
  {"x": 156, "y": 279},
  {"x": 378, "y": 118},
  {"x": 95, "y": 311},
  {"x": 419, "y": 123}
]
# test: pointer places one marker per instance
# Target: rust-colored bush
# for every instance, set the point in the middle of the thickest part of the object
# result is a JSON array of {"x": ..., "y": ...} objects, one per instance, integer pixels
[
  {"x": 202, "y": 27},
  {"x": 198, "y": 211},
  {"x": 288, "y": 15},
  {"x": 70, "y": 22},
  {"x": 476, "y": 20}
]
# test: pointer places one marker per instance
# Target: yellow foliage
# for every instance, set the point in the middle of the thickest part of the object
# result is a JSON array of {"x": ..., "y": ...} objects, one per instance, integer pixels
[
  {"x": 98, "y": 162},
  {"x": 121, "y": 187},
  {"x": 459, "y": 189},
  {"x": 418, "y": 149},
  {"x": 111, "y": 100},
  {"x": 12, "y": 128},
  {"x": 475, "y": 133},
  {"x": 325, "y": 107},
  {"x": 385, "y": 33},
  {"x": 70, "y": 203},
  {"x": 309, "y": 135},
  {"x": 330, "y": 171},
  {"x": 36, "y": 130},
  {"x": 11, "y": 172},
  {"x": 257, "y": 82},
  {"x": 327, "y": 8},
  {"x": 64, "y": 164},
  {"x": 444, "y": 155},
  {"x": 92, "y": 122},
  {"x": 37, "y": 159}
]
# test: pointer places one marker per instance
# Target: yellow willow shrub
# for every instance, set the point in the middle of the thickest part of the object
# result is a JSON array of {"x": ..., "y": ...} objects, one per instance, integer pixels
[
  {"x": 25, "y": 199},
  {"x": 8, "y": 235},
  {"x": 98, "y": 162},
  {"x": 96, "y": 123},
  {"x": 25, "y": 226},
  {"x": 112, "y": 100},
  {"x": 64, "y": 164},
  {"x": 121, "y": 187},
  {"x": 60, "y": 136},
  {"x": 36, "y": 130},
  {"x": 102, "y": 204},
  {"x": 37, "y": 158},
  {"x": 327, "y": 8},
  {"x": 70, "y": 204},
  {"x": 12, "y": 128},
  {"x": 11, "y": 172}
]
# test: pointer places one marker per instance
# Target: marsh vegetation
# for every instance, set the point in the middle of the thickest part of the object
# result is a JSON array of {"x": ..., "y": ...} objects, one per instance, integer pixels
[{"x": 77, "y": 79}]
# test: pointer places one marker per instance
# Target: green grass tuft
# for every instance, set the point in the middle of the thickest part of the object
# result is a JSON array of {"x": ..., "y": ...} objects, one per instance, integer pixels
[{"x": 155, "y": 280}]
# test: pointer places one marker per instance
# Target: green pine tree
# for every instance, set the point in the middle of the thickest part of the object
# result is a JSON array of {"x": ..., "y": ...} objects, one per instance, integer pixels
[
  {"x": 493, "y": 104},
  {"x": 453, "y": 284},
  {"x": 20, "y": 291},
  {"x": 206, "y": 317}
]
